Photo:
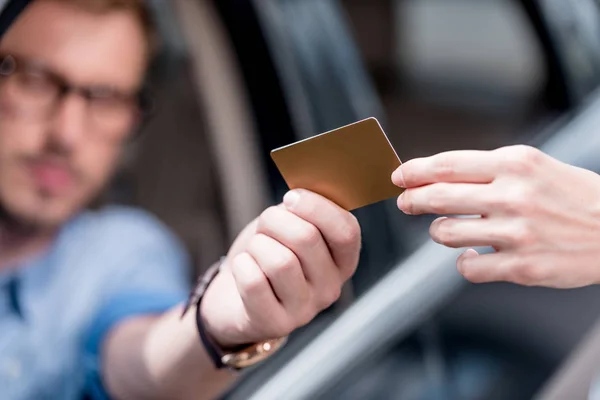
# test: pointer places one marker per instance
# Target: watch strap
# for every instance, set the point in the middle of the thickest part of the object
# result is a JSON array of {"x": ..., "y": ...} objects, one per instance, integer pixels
[
  {"x": 237, "y": 358},
  {"x": 195, "y": 298}
]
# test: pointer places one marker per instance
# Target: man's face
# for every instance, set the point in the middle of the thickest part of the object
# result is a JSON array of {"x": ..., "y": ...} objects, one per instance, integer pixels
[{"x": 54, "y": 163}]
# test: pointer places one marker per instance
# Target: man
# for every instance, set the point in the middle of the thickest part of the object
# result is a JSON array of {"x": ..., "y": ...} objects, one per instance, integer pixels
[{"x": 92, "y": 301}]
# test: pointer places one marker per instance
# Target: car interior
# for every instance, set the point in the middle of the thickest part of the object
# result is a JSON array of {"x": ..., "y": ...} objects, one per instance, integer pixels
[{"x": 239, "y": 78}]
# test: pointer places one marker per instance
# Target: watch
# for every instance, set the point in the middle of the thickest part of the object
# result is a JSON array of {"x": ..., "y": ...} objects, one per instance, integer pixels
[{"x": 239, "y": 357}]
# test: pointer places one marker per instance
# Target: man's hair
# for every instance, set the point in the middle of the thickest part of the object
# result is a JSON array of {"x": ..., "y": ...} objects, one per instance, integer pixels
[{"x": 139, "y": 8}]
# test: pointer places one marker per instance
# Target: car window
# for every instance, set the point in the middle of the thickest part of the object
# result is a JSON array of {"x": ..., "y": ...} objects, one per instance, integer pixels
[
  {"x": 575, "y": 32},
  {"x": 453, "y": 73}
]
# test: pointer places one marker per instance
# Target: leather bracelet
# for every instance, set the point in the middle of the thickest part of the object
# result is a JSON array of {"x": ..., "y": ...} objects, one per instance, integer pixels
[
  {"x": 242, "y": 356},
  {"x": 195, "y": 298}
]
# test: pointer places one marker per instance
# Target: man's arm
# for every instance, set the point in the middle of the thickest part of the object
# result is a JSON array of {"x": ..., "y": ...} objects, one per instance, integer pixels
[
  {"x": 160, "y": 358},
  {"x": 282, "y": 270}
]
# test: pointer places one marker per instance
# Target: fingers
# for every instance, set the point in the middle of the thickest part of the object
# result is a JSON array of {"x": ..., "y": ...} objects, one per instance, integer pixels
[
  {"x": 283, "y": 270},
  {"x": 338, "y": 227},
  {"x": 499, "y": 267},
  {"x": 467, "y": 166},
  {"x": 473, "y": 232},
  {"x": 295, "y": 261},
  {"x": 445, "y": 198},
  {"x": 255, "y": 290},
  {"x": 482, "y": 268},
  {"x": 304, "y": 241}
]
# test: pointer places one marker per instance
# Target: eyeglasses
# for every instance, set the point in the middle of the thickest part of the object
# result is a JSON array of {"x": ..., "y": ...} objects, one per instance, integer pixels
[{"x": 32, "y": 91}]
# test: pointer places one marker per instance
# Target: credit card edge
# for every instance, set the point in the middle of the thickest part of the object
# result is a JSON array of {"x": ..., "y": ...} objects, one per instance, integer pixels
[{"x": 330, "y": 131}]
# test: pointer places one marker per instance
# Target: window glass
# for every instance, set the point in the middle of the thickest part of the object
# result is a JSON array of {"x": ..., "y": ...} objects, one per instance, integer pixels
[{"x": 453, "y": 73}]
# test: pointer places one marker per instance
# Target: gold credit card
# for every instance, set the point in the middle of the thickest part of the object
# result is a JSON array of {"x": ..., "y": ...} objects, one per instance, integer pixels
[{"x": 351, "y": 166}]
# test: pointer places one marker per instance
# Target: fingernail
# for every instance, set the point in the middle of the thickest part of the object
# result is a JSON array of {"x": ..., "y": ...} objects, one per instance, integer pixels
[
  {"x": 401, "y": 205},
  {"x": 291, "y": 198},
  {"x": 398, "y": 178},
  {"x": 460, "y": 263},
  {"x": 400, "y": 201},
  {"x": 470, "y": 253}
]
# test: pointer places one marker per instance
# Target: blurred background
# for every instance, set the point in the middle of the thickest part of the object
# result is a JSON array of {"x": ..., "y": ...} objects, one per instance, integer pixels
[{"x": 239, "y": 78}]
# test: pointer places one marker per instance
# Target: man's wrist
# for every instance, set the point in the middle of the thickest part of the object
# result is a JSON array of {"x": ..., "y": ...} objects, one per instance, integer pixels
[
  {"x": 226, "y": 352},
  {"x": 225, "y": 342},
  {"x": 195, "y": 301}
]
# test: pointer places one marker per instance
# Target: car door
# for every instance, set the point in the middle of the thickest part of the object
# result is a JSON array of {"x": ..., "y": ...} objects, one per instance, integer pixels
[{"x": 476, "y": 74}]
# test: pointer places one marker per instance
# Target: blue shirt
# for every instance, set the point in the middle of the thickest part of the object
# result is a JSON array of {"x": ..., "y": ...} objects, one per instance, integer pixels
[{"x": 56, "y": 310}]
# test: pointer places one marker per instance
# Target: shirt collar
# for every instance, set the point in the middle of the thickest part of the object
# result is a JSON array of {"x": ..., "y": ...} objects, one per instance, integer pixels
[
  {"x": 14, "y": 297},
  {"x": 30, "y": 273},
  {"x": 10, "y": 283}
]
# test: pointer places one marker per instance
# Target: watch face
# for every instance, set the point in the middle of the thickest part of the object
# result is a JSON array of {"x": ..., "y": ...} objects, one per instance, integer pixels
[{"x": 253, "y": 354}]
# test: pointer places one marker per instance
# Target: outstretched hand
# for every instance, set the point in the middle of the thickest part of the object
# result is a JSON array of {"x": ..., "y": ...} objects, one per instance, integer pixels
[
  {"x": 540, "y": 215},
  {"x": 282, "y": 270}
]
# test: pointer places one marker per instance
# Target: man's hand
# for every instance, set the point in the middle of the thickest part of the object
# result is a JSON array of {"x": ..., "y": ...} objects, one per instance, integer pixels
[
  {"x": 540, "y": 215},
  {"x": 282, "y": 270}
]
